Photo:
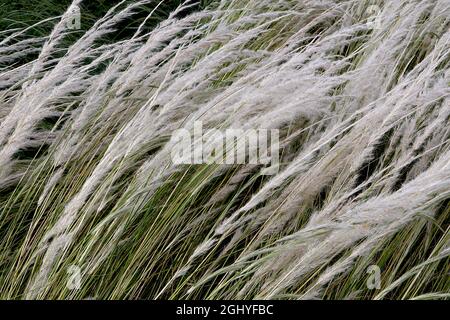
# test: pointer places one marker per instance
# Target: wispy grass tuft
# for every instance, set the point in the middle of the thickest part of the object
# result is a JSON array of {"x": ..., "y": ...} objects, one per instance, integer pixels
[{"x": 87, "y": 180}]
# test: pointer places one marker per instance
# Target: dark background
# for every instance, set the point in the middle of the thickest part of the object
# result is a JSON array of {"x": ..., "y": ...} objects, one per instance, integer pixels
[{"x": 24, "y": 13}]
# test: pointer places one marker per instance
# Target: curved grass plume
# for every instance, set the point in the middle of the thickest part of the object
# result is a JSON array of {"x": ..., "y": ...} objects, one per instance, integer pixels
[{"x": 93, "y": 206}]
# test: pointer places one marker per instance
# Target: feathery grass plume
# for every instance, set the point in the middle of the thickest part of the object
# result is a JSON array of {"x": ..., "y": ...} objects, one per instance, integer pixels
[{"x": 361, "y": 103}]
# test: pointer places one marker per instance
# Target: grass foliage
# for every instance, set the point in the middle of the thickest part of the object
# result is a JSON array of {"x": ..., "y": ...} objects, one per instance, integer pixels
[{"x": 86, "y": 177}]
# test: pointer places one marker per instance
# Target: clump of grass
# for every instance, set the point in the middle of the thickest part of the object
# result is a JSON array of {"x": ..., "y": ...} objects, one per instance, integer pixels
[{"x": 362, "y": 107}]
